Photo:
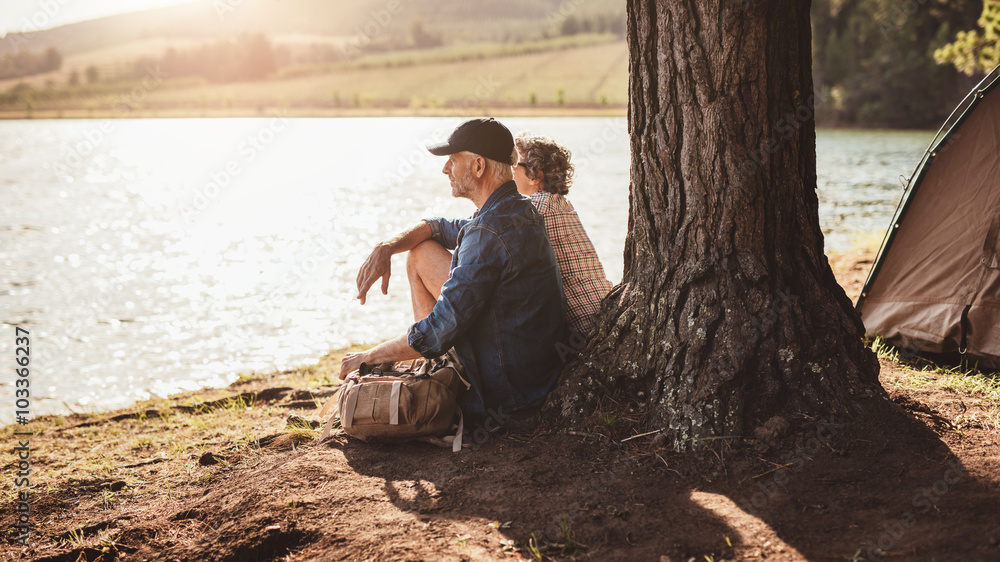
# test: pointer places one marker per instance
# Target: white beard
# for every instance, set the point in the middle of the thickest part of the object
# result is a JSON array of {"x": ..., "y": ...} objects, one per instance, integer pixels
[{"x": 463, "y": 186}]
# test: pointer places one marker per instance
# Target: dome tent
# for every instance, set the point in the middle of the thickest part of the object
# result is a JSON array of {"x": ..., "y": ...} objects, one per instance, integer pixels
[{"x": 935, "y": 285}]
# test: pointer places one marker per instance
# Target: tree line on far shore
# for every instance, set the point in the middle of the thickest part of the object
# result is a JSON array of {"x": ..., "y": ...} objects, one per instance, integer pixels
[
  {"x": 248, "y": 57},
  {"x": 27, "y": 63},
  {"x": 874, "y": 60}
]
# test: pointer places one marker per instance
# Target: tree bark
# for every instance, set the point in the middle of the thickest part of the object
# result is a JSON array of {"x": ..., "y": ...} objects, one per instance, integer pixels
[{"x": 728, "y": 312}]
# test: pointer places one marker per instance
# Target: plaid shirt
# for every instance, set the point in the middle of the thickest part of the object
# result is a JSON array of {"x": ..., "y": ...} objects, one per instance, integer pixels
[{"x": 584, "y": 281}]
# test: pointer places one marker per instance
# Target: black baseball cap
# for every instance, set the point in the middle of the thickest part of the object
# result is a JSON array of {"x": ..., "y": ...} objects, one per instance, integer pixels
[{"x": 485, "y": 137}]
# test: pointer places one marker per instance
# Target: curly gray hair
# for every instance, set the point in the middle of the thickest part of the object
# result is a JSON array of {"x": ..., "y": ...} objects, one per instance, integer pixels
[{"x": 542, "y": 156}]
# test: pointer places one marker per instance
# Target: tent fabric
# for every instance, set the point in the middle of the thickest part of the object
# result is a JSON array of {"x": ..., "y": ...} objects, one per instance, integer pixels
[{"x": 944, "y": 252}]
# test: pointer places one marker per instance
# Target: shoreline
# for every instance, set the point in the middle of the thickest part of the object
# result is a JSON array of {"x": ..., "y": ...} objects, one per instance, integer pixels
[
  {"x": 94, "y": 410},
  {"x": 850, "y": 266},
  {"x": 315, "y": 112},
  {"x": 369, "y": 112}
]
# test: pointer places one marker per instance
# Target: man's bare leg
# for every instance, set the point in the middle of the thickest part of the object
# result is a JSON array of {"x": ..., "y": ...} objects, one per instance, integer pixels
[{"x": 427, "y": 268}]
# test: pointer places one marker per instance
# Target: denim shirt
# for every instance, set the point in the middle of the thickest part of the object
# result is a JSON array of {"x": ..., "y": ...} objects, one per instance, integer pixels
[{"x": 502, "y": 307}]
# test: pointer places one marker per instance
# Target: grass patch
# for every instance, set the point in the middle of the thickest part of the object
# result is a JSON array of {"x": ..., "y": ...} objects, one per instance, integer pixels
[
  {"x": 921, "y": 373},
  {"x": 972, "y": 383},
  {"x": 883, "y": 350},
  {"x": 141, "y": 461},
  {"x": 608, "y": 421}
]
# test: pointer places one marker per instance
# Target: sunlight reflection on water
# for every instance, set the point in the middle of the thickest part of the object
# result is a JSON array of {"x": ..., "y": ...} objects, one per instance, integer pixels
[{"x": 151, "y": 256}]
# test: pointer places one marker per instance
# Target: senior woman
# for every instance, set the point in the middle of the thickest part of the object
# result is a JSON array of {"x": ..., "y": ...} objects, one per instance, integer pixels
[{"x": 544, "y": 173}]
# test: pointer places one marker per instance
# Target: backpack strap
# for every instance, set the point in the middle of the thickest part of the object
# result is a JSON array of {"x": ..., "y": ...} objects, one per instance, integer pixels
[
  {"x": 453, "y": 441},
  {"x": 456, "y": 445},
  {"x": 334, "y": 404},
  {"x": 327, "y": 427},
  {"x": 394, "y": 403},
  {"x": 347, "y": 416},
  {"x": 345, "y": 413},
  {"x": 452, "y": 356}
]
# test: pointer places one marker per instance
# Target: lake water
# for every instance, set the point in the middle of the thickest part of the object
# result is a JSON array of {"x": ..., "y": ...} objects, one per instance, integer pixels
[{"x": 152, "y": 256}]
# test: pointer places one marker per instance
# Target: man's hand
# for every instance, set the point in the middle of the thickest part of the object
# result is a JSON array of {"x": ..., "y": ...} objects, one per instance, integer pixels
[
  {"x": 393, "y": 350},
  {"x": 378, "y": 264},
  {"x": 351, "y": 362}
]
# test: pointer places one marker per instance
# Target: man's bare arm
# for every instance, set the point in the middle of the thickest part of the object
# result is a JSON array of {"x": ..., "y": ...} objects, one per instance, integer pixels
[
  {"x": 379, "y": 264},
  {"x": 397, "y": 349}
]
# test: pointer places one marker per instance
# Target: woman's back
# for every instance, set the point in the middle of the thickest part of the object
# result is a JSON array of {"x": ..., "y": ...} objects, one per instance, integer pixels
[{"x": 583, "y": 277}]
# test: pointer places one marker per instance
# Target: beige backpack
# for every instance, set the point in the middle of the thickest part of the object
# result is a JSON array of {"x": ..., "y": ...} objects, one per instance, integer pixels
[{"x": 400, "y": 402}]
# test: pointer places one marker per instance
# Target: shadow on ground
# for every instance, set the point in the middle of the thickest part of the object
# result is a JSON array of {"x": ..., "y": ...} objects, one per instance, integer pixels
[{"x": 887, "y": 487}]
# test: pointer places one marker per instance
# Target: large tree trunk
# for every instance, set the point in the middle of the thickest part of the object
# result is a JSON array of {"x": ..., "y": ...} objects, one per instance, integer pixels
[{"x": 728, "y": 312}]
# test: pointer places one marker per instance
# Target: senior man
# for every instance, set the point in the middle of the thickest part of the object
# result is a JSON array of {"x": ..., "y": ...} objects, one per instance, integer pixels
[{"x": 501, "y": 303}]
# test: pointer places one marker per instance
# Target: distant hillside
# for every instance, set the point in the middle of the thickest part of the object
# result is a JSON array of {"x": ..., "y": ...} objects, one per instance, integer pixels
[
  {"x": 202, "y": 21},
  {"x": 873, "y": 61},
  {"x": 579, "y": 74}
]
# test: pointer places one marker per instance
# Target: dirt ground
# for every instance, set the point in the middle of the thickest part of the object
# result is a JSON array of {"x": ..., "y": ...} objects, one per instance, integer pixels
[{"x": 920, "y": 483}]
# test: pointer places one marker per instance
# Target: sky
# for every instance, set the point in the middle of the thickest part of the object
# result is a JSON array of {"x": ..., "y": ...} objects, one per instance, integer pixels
[{"x": 31, "y": 15}]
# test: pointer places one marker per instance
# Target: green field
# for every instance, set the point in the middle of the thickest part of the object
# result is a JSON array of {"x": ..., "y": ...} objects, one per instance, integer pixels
[
  {"x": 557, "y": 75},
  {"x": 315, "y": 57}
]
